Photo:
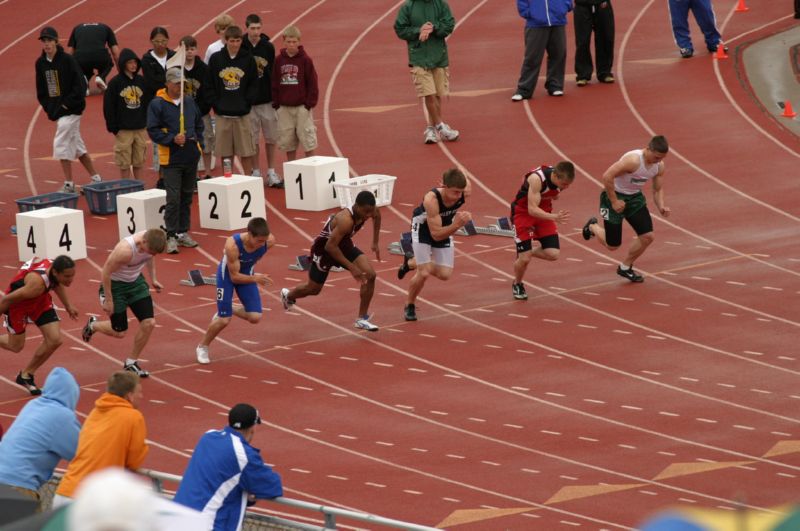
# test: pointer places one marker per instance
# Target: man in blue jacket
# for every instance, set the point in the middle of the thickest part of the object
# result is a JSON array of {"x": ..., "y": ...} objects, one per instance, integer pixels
[
  {"x": 703, "y": 14},
  {"x": 44, "y": 432},
  {"x": 178, "y": 154},
  {"x": 226, "y": 473},
  {"x": 545, "y": 29}
]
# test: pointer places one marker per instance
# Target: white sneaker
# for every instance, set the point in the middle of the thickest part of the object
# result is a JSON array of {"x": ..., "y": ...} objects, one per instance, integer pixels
[
  {"x": 100, "y": 82},
  {"x": 556, "y": 93},
  {"x": 273, "y": 179},
  {"x": 517, "y": 97},
  {"x": 68, "y": 188},
  {"x": 256, "y": 173},
  {"x": 202, "y": 355},
  {"x": 445, "y": 133},
  {"x": 363, "y": 323},
  {"x": 287, "y": 303},
  {"x": 430, "y": 136},
  {"x": 96, "y": 178}
]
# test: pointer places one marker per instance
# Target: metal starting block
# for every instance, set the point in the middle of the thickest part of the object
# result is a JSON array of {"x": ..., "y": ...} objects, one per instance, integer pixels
[
  {"x": 197, "y": 279},
  {"x": 403, "y": 247},
  {"x": 502, "y": 228}
]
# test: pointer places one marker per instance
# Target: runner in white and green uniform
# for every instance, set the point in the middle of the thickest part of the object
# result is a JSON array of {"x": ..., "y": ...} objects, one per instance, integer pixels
[{"x": 623, "y": 199}]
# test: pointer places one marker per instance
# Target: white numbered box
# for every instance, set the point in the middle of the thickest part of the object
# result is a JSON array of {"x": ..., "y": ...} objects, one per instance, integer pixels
[
  {"x": 229, "y": 203},
  {"x": 50, "y": 232},
  {"x": 138, "y": 211},
  {"x": 308, "y": 182}
]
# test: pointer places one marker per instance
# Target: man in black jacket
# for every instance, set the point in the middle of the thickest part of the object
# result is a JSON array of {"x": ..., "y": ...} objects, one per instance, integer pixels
[
  {"x": 231, "y": 90},
  {"x": 61, "y": 91},
  {"x": 126, "y": 115}
]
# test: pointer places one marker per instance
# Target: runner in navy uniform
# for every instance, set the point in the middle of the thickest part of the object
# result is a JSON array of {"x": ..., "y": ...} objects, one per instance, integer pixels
[
  {"x": 334, "y": 247},
  {"x": 432, "y": 225}
]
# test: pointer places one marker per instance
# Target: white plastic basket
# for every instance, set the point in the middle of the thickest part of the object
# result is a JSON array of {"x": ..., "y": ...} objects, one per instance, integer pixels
[{"x": 381, "y": 187}]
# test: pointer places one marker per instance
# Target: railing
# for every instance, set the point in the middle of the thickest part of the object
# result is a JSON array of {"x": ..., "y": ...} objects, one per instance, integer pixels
[{"x": 329, "y": 513}]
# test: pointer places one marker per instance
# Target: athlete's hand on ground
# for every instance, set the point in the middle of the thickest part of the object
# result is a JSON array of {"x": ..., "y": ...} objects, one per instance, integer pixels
[
  {"x": 462, "y": 218},
  {"x": 561, "y": 216},
  {"x": 263, "y": 280},
  {"x": 73, "y": 313},
  {"x": 665, "y": 211},
  {"x": 377, "y": 250},
  {"x": 618, "y": 206}
]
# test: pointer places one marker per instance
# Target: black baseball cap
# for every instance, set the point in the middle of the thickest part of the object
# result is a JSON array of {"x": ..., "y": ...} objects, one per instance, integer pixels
[
  {"x": 48, "y": 32},
  {"x": 242, "y": 416}
]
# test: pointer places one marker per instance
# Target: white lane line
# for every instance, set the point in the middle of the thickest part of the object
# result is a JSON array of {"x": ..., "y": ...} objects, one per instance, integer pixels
[
  {"x": 634, "y": 408},
  {"x": 348, "y": 437},
  {"x": 553, "y": 393},
  {"x": 709, "y": 421},
  {"x": 728, "y": 314},
  {"x": 416, "y": 369},
  {"x": 303, "y": 388},
  {"x": 530, "y": 470},
  {"x": 382, "y": 364},
  {"x": 377, "y": 485},
  {"x": 627, "y": 446},
  {"x": 659, "y": 338},
  {"x": 592, "y": 327},
  {"x": 490, "y": 463},
  {"x": 743, "y": 427},
  {"x": 668, "y": 414},
  {"x": 753, "y": 352},
  {"x": 762, "y": 391},
  {"x": 414, "y": 492},
  {"x": 735, "y": 283},
  {"x": 548, "y": 432},
  {"x": 476, "y": 419},
  {"x": 384, "y": 443},
  {"x": 589, "y": 439},
  {"x": 440, "y": 413},
  {"x": 455, "y": 456},
  {"x": 523, "y": 351},
  {"x": 300, "y": 470},
  {"x": 593, "y": 401},
  {"x": 688, "y": 379},
  {"x": 340, "y": 478},
  {"x": 515, "y": 426}
]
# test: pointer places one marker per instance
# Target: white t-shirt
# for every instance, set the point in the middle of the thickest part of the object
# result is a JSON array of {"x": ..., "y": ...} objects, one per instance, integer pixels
[
  {"x": 633, "y": 182},
  {"x": 213, "y": 48}
]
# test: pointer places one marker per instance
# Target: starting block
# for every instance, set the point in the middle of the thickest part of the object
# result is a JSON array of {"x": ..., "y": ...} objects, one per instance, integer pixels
[
  {"x": 403, "y": 247},
  {"x": 197, "y": 279},
  {"x": 302, "y": 263},
  {"x": 502, "y": 228}
]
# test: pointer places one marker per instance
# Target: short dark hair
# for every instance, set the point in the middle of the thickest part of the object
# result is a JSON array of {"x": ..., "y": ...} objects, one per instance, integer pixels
[
  {"x": 158, "y": 30},
  {"x": 454, "y": 178},
  {"x": 258, "y": 227},
  {"x": 62, "y": 262},
  {"x": 233, "y": 32},
  {"x": 365, "y": 198},
  {"x": 658, "y": 144},
  {"x": 189, "y": 41},
  {"x": 565, "y": 170},
  {"x": 252, "y": 19},
  {"x": 121, "y": 383}
]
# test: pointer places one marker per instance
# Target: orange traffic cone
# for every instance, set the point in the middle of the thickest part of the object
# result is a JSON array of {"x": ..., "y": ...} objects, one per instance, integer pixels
[
  {"x": 720, "y": 53},
  {"x": 787, "y": 110},
  {"x": 741, "y": 7}
]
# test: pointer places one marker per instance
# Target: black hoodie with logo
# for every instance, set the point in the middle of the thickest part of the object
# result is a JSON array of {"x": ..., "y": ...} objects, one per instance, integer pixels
[
  {"x": 60, "y": 85},
  {"x": 264, "y": 54},
  {"x": 123, "y": 101}
]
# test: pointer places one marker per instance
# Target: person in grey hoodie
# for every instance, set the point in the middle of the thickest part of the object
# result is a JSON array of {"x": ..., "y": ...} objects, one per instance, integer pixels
[{"x": 44, "y": 432}]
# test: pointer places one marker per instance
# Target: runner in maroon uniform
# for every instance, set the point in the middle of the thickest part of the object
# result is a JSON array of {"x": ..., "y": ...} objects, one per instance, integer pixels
[
  {"x": 334, "y": 247},
  {"x": 28, "y": 300},
  {"x": 533, "y": 218}
]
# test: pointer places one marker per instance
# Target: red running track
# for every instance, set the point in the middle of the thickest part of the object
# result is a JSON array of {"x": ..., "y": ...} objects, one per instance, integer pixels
[{"x": 594, "y": 403}]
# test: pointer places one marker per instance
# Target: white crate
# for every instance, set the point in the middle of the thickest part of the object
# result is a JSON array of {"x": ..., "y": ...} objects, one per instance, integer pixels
[{"x": 381, "y": 187}]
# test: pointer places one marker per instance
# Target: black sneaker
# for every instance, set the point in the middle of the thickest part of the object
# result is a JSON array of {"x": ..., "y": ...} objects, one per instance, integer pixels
[
  {"x": 134, "y": 367},
  {"x": 686, "y": 52},
  {"x": 401, "y": 272},
  {"x": 28, "y": 384},
  {"x": 630, "y": 274},
  {"x": 410, "y": 312},
  {"x": 87, "y": 330},
  {"x": 587, "y": 232},
  {"x": 518, "y": 289}
]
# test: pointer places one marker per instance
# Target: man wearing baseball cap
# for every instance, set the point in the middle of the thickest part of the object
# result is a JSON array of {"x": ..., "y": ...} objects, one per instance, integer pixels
[
  {"x": 61, "y": 91},
  {"x": 218, "y": 482}
]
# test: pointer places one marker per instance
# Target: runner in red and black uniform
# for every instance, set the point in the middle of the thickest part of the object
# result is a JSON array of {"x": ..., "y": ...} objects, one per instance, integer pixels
[
  {"x": 533, "y": 218},
  {"x": 334, "y": 247},
  {"x": 28, "y": 300}
]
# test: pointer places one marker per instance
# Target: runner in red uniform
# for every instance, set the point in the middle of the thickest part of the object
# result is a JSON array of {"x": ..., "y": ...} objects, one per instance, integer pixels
[
  {"x": 533, "y": 218},
  {"x": 28, "y": 300}
]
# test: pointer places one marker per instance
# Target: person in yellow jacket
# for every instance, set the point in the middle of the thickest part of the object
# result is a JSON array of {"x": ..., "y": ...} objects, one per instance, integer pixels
[{"x": 113, "y": 435}]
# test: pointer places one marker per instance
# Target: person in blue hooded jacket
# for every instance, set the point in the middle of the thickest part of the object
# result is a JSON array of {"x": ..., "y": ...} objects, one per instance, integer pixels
[
  {"x": 44, "y": 432},
  {"x": 545, "y": 30}
]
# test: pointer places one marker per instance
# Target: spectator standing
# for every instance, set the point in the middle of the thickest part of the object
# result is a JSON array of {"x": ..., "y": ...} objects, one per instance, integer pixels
[
  {"x": 334, "y": 247},
  {"x": 123, "y": 286},
  {"x": 433, "y": 224},
  {"x": 424, "y": 25},
  {"x": 87, "y": 43},
  {"x": 594, "y": 16},
  {"x": 231, "y": 89},
  {"x": 195, "y": 72},
  {"x": 226, "y": 473},
  {"x": 44, "y": 433},
  {"x": 154, "y": 63},
  {"x": 28, "y": 300},
  {"x": 221, "y": 23},
  {"x": 178, "y": 154},
  {"x": 703, "y": 13},
  {"x": 235, "y": 273},
  {"x": 61, "y": 91},
  {"x": 263, "y": 117},
  {"x": 126, "y": 115},
  {"x": 545, "y": 30},
  {"x": 112, "y": 436},
  {"x": 533, "y": 218},
  {"x": 295, "y": 91}
]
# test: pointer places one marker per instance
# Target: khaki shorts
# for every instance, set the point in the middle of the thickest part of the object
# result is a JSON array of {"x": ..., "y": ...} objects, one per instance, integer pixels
[
  {"x": 296, "y": 126},
  {"x": 430, "y": 81},
  {"x": 264, "y": 120},
  {"x": 68, "y": 144},
  {"x": 208, "y": 134},
  {"x": 129, "y": 146},
  {"x": 234, "y": 137}
]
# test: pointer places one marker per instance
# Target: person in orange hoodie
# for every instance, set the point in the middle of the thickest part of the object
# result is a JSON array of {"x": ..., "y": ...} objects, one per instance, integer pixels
[{"x": 113, "y": 435}]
